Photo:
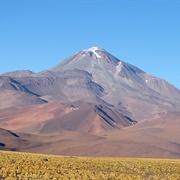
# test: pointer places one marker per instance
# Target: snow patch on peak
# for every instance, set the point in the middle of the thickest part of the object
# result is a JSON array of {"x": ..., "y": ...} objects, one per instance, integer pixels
[{"x": 94, "y": 49}]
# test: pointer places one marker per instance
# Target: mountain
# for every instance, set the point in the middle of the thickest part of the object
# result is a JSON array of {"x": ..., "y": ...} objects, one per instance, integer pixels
[
  {"x": 94, "y": 75},
  {"x": 123, "y": 85},
  {"x": 92, "y": 97}
]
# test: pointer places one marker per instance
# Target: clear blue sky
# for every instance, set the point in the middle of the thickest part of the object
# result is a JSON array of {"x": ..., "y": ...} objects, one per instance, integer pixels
[{"x": 38, "y": 34}]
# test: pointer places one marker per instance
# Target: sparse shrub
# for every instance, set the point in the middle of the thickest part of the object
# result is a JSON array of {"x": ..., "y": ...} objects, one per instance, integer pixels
[{"x": 14, "y": 165}]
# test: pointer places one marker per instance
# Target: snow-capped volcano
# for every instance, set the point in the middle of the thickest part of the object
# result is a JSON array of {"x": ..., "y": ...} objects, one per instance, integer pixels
[
  {"x": 96, "y": 76},
  {"x": 117, "y": 83}
]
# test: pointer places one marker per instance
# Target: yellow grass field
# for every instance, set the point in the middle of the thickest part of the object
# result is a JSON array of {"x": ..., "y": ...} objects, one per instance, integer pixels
[{"x": 15, "y": 165}]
